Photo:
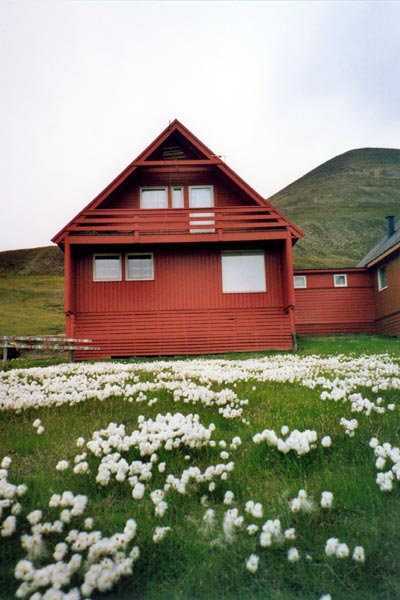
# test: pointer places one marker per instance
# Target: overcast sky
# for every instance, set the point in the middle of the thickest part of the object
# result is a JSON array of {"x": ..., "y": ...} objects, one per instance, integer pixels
[{"x": 277, "y": 88}]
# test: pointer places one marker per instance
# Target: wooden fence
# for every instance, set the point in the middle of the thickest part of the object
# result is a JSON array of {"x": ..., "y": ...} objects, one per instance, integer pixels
[{"x": 52, "y": 343}]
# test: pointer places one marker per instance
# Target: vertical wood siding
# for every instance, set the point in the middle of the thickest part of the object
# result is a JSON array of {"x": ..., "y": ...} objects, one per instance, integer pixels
[
  {"x": 322, "y": 309},
  {"x": 183, "y": 310},
  {"x": 183, "y": 279},
  {"x": 388, "y": 300}
]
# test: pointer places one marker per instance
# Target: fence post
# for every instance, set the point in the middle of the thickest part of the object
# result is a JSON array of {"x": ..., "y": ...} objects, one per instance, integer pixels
[{"x": 5, "y": 353}]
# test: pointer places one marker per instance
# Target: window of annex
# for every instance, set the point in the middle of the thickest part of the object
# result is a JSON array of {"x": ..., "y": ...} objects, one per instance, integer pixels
[
  {"x": 299, "y": 282},
  {"x": 243, "y": 271},
  {"x": 382, "y": 278},
  {"x": 340, "y": 280}
]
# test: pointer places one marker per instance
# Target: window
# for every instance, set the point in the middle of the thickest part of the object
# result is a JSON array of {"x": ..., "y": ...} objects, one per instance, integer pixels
[
  {"x": 243, "y": 271},
  {"x": 382, "y": 278},
  {"x": 177, "y": 197},
  {"x": 340, "y": 280},
  {"x": 107, "y": 267},
  {"x": 139, "y": 267},
  {"x": 201, "y": 196},
  {"x": 300, "y": 281},
  {"x": 154, "y": 197}
]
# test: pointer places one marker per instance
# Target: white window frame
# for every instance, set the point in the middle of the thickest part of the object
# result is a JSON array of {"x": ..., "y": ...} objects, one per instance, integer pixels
[
  {"x": 299, "y": 282},
  {"x": 173, "y": 199},
  {"x": 150, "y": 188},
  {"x": 238, "y": 287},
  {"x": 382, "y": 280},
  {"x": 104, "y": 256},
  {"x": 200, "y": 187},
  {"x": 336, "y": 280},
  {"x": 133, "y": 255}
]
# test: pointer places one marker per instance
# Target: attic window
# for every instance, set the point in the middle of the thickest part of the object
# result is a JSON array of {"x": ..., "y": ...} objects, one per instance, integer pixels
[
  {"x": 107, "y": 267},
  {"x": 340, "y": 280},
  {"x": 154, "y": 197},
  {"x": 382, "y": 278}
]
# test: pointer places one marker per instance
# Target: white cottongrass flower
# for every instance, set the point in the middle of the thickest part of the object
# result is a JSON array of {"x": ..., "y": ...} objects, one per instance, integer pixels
[
  {"x": 252, "y": 529},
  {"x": 138, "y": 491},
  {"x": 208, "y": 519},
  {"x": 34, "y": 517},
  {"x": 160, "y": 533},
  {"x": 331, "y": 546},
  {"x": 326, "y": 441},
  {"x": 252, "y": 563},
  {"x": 359, "y": 554},
  {"x": 342, "y": 550},
  {"x": 228, "y": 497},
  {"x": 8, "y": 526},
  {"x": 6, "y": 462},
  {"x": 157, "y": 496},
  {"x": 326, "y": 597},
  {"x": 290, "y": 534},
  {"x": 161, "y": 508},
  {"x": 62, "y": 465},
  {"x": 326, "y": 499},
  {"x": 380, "y": 463},
  {"x": 293, "y": 555},
  {"x": 349, "y": 425},
  {"x": 232, "y": 520},
  {"x": 254, "y": 508},
  {"x": 302, "y": 503}
]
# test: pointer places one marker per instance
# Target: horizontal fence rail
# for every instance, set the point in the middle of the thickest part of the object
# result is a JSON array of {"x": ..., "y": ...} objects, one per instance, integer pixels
[
  {"x": 53, "y": 343},
  {"x": 183, "y": 222}
]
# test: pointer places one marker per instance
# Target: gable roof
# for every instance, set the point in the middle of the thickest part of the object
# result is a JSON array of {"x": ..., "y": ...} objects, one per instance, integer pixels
[
  {"x": 177, "y": 146},
  {"x": 383, "y": 248}
]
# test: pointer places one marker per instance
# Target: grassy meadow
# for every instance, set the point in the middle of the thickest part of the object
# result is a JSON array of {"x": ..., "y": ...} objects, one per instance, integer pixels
[
  {"x": 31, "y": 304},
  {"x": 167, "y": 450}
]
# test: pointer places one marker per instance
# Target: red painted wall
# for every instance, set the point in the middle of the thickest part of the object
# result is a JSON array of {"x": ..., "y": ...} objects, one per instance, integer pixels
[
  {"x": 183, "y": 310},
  {"x": 388, "y": 300},
  {"x": 322, "y": 309}
]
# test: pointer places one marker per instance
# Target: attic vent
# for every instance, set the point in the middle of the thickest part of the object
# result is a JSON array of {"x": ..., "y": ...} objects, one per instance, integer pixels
[{"x": 173, "y": 153}]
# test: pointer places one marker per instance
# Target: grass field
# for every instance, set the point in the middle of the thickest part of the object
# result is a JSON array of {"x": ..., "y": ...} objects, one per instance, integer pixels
[
  {"x": 31, "y": 304},
  {"x": 207, "y": 448}
]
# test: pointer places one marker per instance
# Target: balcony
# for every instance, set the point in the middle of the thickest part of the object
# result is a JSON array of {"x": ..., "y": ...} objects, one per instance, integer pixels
[{"x": 176, "y": 225}]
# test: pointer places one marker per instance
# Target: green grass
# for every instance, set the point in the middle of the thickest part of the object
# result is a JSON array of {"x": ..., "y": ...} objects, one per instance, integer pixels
[
  {"x": 31, "y": 304},
  {"x": 191, "y": 565}
]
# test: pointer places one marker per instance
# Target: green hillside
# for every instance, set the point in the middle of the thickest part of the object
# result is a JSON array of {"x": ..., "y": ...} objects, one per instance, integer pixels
[
  {"x": 31, "y": 291},
  {"x": 341, "y": 206}
]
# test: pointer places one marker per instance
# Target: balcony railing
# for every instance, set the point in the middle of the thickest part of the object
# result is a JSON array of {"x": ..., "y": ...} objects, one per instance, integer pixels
[{"x": 195, "y": 224}]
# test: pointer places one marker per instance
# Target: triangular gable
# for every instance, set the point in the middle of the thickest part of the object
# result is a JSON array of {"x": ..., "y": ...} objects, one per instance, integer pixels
[{"x": 177, "y": 145}]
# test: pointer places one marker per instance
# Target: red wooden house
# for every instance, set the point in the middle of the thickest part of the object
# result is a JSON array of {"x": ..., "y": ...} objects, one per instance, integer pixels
[
  {"x": 334, "y": 301},
  {"x": 178, "y": 255},
  {"x": 383, "y": 264}
]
